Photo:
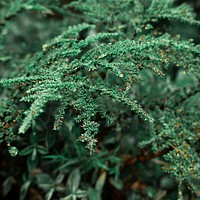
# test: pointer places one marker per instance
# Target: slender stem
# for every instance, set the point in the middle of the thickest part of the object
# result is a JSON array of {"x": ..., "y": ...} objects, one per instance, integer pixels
[{"x": 180, "y": 193}]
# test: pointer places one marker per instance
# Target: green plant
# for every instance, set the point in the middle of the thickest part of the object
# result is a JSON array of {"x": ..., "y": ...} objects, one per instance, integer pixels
[{"x": 114, "y": 77}]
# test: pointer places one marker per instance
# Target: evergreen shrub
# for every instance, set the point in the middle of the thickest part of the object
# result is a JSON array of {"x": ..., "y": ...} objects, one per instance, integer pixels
[{"x": 99, "y": 99}]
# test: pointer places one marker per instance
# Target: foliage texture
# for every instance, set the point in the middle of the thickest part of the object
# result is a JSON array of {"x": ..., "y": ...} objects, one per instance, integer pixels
[{"x": 114, "y": 75}]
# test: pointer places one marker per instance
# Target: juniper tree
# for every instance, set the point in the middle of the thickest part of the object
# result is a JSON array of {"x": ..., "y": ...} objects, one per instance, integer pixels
[{"x": 110, "y": 67}]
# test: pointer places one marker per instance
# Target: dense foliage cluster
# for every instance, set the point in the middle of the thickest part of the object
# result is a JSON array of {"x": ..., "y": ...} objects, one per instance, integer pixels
[{"x": 101, "y": 98}]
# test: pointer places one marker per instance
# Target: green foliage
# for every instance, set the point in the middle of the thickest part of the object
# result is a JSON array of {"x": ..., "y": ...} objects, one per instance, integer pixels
[{"x": 109, "y": 74}]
